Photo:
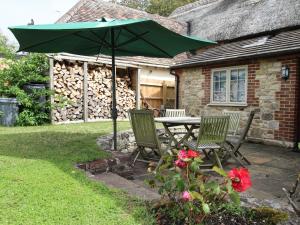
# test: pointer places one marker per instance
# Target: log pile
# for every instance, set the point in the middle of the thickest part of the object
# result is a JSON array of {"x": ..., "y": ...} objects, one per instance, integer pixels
[
  {"x": 68, "y": 87},
  {"x": 68, "y": 84}
]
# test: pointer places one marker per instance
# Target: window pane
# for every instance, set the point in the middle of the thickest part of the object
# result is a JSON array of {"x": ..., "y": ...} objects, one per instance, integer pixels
[
  {"x": 219, "y": 86},
  {"x": 234, "y": 74},
  {"x": 242, "y": 73},
  {"x": 216, "y": 76},
  {"x": 237, "y": 85}
]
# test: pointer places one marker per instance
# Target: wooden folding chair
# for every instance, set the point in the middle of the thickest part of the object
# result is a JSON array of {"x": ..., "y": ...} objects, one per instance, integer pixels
[
  {"x": 233, "y": 145},
  {"x": 212, "y": 136},
  {"x": 143, "y": 126},
  {"x": 234, "y": 121},
  {"x": 175, "y": 113}
]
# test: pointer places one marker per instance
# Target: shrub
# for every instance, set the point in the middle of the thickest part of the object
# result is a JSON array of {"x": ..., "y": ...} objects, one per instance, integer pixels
[
  {"x": 189, "y": 195},
  {"x": 29, "y": 69}
]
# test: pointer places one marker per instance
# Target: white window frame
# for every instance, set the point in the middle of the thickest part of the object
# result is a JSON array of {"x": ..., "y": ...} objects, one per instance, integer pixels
[{"x": 227, "y": 102}]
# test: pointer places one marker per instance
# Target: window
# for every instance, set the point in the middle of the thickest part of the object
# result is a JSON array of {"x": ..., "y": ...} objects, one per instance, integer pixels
[{"x": 229, "y": 86}]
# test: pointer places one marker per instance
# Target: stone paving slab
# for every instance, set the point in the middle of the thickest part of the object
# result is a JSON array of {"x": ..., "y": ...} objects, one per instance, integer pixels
[{"x": 133, "y": 189}]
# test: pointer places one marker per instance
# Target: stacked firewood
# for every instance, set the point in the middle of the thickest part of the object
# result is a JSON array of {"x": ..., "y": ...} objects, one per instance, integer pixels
[
  {"x": 68, "y": 81},
  {"x": 100, "y": 94},
  {"x": 68, "y": 87}
]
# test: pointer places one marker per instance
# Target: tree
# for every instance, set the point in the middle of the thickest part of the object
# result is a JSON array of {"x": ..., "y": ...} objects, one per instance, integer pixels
[
  {"x": 135, "y": 4},
  {"x": 161, "y": 7},
  {"x": 165, "y": 7},
  {"x": 6, "y": 50}
]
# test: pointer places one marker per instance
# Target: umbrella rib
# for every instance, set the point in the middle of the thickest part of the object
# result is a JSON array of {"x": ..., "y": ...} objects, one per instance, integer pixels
[
  {"x": 132, "y": 39},
  {"x": 87, "y": 38},
  {"x": 103, "y": 41},
  {"x": 118, "y": 35},
  {"x": 153, "y": 45},
  {"x": 47, "y": 41},
  {"x": 101, "y": 46}
]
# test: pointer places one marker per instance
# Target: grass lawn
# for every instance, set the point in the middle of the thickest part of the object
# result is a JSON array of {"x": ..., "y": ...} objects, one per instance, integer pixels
[{"x": 40, "y": 185}]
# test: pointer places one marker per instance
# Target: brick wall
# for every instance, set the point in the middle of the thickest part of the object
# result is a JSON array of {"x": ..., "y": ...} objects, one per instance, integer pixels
[{"x": 275, "y": 99}]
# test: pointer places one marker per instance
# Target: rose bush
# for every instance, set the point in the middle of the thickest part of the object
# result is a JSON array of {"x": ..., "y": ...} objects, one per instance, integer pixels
[{"x": 189, "y": 194}]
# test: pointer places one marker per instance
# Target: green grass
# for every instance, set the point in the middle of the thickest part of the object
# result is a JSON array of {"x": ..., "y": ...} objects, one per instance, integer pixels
[{"x": 39, "y": 183}]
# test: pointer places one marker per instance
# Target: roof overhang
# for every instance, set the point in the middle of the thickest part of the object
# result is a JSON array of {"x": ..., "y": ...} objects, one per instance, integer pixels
[{"x": 121, "y": 62}]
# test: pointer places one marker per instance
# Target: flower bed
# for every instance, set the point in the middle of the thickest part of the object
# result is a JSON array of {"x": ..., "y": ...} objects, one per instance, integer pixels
[{"x": 190, "y": 196}]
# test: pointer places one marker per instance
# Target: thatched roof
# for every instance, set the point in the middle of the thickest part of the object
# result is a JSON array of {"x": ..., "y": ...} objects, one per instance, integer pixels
[
  {"x": 230, "y": 19},
  {"x": 287, "y": 42},
  {"x": 91, "y": 10}
]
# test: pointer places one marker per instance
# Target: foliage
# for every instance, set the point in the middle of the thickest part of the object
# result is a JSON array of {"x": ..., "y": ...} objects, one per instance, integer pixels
[
  {"x": 270, "y": 215},
  {"x": 30, "y": 69},
  {"x": 6, "y": 50},
  {"x": 161, "y": 7},
  {"x": 41, "y": 185},
  {"x": 190, "y": 193},
  {"x": 140, "y": 4},
  {"x": 165, "y": 8}
]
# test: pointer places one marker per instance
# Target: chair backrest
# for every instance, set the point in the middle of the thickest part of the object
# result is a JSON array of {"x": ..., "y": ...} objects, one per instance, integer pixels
[
  {"x": 213, "y": 129},
  {"x": 234, "y": 121},
  {"x": 247, "y": 127},
  {"x": 175, "y": 113},
  {"x": 143, "y": 126}
]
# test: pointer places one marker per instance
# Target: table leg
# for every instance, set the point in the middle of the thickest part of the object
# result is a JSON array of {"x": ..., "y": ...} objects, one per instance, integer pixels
[
  {"x": 187, "y": 135},
  {"x": 169, "y": 133},
  {"x": 192, "y": 134}
]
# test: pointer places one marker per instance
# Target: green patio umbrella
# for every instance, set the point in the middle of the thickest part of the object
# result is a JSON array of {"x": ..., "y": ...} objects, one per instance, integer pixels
[{"x": 128, "y": 37}]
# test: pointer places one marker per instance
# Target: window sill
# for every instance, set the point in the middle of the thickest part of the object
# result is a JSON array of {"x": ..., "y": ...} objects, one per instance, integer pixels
[{"x": 229, "y": 104}]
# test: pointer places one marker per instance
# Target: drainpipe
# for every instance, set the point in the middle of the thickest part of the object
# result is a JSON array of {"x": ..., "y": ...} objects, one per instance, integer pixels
[{"x": 172, "y": 72}]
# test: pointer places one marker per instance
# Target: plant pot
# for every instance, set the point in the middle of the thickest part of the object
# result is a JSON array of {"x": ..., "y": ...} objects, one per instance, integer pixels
[
  {"x": 9, "y": 111},
  {"x": 29, "y": 88}
]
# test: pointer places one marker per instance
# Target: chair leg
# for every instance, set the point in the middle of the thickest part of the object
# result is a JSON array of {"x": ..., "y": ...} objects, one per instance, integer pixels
[
  {"x": 235, "y": 153},
  {"x": 136, "y": 157},
  {"x": 206, "y": 154},
  {"x": 217, "y": 159},
  {"x": 236, "y": 158},
  {"x": 242, "y": 157},
  {"x": 158, "y": 164}
]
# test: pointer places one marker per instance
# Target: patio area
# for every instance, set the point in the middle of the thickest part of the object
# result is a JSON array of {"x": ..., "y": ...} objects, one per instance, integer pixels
[{"x": 272, "y": 169}]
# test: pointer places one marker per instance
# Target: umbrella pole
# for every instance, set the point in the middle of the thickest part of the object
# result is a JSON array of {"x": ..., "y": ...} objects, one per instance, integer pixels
[{"x": 114, "y": 101}]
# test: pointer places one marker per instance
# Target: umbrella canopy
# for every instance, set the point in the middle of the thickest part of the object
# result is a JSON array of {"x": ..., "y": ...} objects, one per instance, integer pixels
[
  {"x": 128, "y": 37},
  {"x": 132, "y": 37}
]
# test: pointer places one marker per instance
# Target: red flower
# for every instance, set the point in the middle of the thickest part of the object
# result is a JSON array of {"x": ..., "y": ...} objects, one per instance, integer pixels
[
  {"x": 240, "y": 179},
  {"x": 181, "y": 164},
  {"x": 192, "y": 154},
  {"x": 182, "y": 154}
]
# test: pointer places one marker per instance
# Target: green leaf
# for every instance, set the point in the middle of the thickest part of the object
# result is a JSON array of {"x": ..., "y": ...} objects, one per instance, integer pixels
[
  {"x": 235, "y": 198},
  {"x": 198, "y": 159},
  {"x": 194, "y": 166},
  {"x": 196, "y": 195},
  {"x": 214, "y": 187},
  {"x": 229, "y": 187},
  {"x": 205, "y": 208},
  {"x": 180, "y": 185},
  {"x": 219, "y": 171}
]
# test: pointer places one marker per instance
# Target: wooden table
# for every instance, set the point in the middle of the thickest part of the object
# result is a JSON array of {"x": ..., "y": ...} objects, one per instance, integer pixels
[{"x": 190, "y": 123}]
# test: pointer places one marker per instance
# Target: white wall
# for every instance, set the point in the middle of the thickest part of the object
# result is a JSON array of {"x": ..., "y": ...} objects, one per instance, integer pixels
[{"x": 156, "y": 73}]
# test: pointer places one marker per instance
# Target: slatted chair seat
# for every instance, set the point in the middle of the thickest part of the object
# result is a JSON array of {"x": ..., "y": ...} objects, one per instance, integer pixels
[{"x": 193, "y": 144}]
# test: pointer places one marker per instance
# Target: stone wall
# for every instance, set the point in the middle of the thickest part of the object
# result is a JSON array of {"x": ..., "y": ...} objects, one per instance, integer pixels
[{"x": 275, "y": 99}]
